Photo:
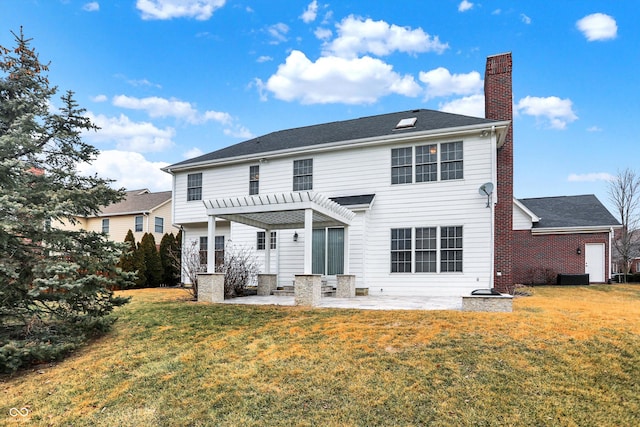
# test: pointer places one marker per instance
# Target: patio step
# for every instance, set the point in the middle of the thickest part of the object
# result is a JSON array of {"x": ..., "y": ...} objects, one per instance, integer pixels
[{"x": 288, "y": 291}]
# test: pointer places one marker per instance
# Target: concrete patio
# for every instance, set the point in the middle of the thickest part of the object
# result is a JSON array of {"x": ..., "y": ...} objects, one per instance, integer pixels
[{"x": 386, "y": 302}]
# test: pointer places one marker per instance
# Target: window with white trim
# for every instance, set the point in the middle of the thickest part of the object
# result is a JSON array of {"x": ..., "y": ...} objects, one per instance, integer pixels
[
  {"x": 254, "y": 179},
  {"x": 159, "y": 224},
  {"x": 426, "y": 249},
  {"x": 303, "y": 175},
  {"x": 401, "y": 165},
  {"x": 194, "y": 186},
  {"x": 261, "y": 240},
  {"x": 138, "y": 223},
  {"x": 451, "y": 161},
  {"x": 451, "y": 249},
  {"x": 105, "y": 225},
  {"x": 426, "y": 164},
  {"x": 401, "y": 250}
]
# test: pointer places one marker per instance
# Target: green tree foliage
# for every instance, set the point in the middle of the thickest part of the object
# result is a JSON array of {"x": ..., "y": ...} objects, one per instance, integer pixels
[
  {"x": 128, "y": 258},
  {"x": 170, "y": 271},
  {"x": 54, "y": 284},
  {"x": 153, "y": 266}
]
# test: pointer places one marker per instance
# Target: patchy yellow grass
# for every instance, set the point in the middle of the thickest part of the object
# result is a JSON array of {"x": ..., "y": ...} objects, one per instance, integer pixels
[{"x": 565, "y": 356}]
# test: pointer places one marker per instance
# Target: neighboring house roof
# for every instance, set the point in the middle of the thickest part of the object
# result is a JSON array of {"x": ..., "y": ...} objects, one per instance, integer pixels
[
  {"x": 347, "y": 130},
  {"x": 136, "y": 202},
  {"x": 570, "y": 212}
]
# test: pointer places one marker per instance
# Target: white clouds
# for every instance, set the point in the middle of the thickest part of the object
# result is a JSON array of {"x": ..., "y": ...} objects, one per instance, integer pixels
[
  {"x": 323, "y": 33},
  {"x": 129, "y": 170},
  {"x": 590, "y": 177},
  {"x": 99, "y": 98},
  {"x": 278, "y": 32},
  {"x": 467, "y": 106},
  {"x": 194, "y": 152},
  {"x": 464, "y": 6},
  {"x": 557, "y": 111},
  {"x": 129, "y": 135},
  {"x": 440, "y": 82},
  {"x": 337, "y": 80},
  {"x": 525, "y": 19},
  {"x": 357, "y": 36},
  {"x": 169, "y": 9},
  {"x": 310, "y": 13},
  {"x": 264, "y": 58},
  {"x": 161, "y": 107},
  {"x": 594, "y": 129},
  {"x": 598, "y": 26},
  {"x": 93, "y": 6}
]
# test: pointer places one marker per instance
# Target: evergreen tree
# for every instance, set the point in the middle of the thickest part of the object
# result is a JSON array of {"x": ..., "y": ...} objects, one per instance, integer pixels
[
  {"x": 153, "y": 266},
  {"x": 170, "y": 272},
  {"x": 127, "y": 260},
  {"x": 54, "y": 284}
]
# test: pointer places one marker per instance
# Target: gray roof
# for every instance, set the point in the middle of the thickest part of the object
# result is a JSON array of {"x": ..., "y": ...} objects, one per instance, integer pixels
[
  {"x": 137, "y": 201},
  {"x": 361, "y": 199},
  {"x": 346, "y": 130},
  {"x": 570, "y": 211}
]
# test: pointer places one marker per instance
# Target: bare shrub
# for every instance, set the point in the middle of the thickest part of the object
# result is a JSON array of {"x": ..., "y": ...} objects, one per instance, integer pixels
[{"x": 240, "y": 269}]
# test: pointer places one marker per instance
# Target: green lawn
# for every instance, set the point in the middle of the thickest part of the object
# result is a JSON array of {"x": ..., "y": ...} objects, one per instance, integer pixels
[{"x": 566, "y": 356}]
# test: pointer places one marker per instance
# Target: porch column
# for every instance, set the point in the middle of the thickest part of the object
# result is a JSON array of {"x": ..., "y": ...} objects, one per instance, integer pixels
[
  {"x": 308, "y": 240},
  {"x": 346, "y": 250},
  {"x": 267, "y": 251},
  {"x": 211, "y": 245}
]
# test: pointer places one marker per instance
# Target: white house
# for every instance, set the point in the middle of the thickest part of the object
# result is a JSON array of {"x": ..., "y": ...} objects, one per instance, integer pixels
[{"x": 397, "y": 200}]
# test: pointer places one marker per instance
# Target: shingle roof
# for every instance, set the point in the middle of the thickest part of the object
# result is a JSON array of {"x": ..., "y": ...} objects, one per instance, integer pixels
[
  {"x": 346, "y": 130},
  {"x": 570, "y": 211},
  {"x": 137, "y": 201},
  {"x": 362, "y": 199}
]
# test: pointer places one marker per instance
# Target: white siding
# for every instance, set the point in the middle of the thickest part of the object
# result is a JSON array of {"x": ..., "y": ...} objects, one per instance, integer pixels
[
  {"x": 367, "y": 170},
  {"x": 521, "y": 220}
]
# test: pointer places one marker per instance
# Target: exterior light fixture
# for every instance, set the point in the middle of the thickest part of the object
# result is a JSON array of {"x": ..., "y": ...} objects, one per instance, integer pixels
[
  {"x": 579, "y": 251},
  {"x": 295, "y": 236}
]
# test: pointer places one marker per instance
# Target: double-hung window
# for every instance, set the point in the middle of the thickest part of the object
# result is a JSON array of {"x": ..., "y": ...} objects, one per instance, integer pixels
[
  {"x": 105, "y": 225},
  {"x": 254, "y": 179},
  {"x": 159, "y": 225},
  {"x": 218, "y": 252},
  {"x": 303, "y": 175},
  {"x": 426, "y": 250},
  {"x": 194, "y": 186},
  {"x": 138, "y": 223},
  {"x": 450, "y": 249},
  {"x": 451, "y": 161},
  {"x": 427, "y": 163},
  {"x": 401, "y": 165},
  {"x": 401, "y": 250}
]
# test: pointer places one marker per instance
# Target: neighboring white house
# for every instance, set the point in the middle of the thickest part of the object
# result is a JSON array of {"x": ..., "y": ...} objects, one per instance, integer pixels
[{"x": 393, "y": 199}]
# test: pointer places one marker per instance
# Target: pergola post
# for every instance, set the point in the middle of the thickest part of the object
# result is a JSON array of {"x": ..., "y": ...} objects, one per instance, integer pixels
[
  {"x": 211, "y": 245},
  {"x": 308, "y": 241},
  {"x": 267, "y": 251}
]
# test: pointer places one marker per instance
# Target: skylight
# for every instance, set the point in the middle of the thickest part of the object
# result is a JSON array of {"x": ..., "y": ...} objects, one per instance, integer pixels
[{"x": 407, "y": 123}]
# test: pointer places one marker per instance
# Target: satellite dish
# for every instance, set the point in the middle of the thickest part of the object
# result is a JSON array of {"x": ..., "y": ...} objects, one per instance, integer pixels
[{"x": 486, "y": 189}]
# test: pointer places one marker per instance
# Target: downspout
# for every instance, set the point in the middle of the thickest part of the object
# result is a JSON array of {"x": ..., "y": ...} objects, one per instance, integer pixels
[
  {"x": 494, "y": 178},
  {"x": 610, "y": 240}
]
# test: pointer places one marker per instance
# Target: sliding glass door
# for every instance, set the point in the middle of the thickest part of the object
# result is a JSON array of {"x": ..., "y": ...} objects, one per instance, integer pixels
[{"x": 328, "y": 251}]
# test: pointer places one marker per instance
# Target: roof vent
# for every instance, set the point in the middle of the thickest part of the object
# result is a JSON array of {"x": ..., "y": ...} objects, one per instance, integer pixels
[{"x": 407, "y": 123}]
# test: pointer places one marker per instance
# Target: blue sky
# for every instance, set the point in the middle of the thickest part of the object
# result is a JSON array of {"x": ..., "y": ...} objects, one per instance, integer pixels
[{"x": 170, "y": 79}]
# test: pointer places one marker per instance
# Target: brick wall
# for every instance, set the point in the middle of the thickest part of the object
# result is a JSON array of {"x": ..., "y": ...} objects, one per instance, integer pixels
[
  {"x": 537, "y": 259},
  {"x": 498, "y": 100}
]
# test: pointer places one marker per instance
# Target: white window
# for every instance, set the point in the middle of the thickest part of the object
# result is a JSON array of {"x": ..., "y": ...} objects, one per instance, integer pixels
[
  {"x": 138, "y": 223},
  {"x": 420, "y": 250},
  {"x": 159, "y": 225},
  {"x": 401, "y": 165},
  {"x": 260, "y": 240},
  {"x": 254, "y": 179},
  {"x": 327, "y": 254},
  {"x": 194, "y": 186},
  {"x": 105, "y": 225},
  {"x": 426, "y": 164},
  {"x": 303, "y": 175}
]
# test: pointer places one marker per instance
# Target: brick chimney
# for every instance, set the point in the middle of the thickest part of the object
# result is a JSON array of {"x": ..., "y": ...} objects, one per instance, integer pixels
[{"x": 498, "y": 105}]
